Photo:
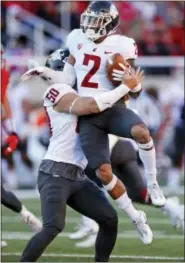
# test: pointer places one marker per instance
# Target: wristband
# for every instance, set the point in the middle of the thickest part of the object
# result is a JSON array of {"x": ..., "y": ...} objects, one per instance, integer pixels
[{"x": 136, "y": 89}]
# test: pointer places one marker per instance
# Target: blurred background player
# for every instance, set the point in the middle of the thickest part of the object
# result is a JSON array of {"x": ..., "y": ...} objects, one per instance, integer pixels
[{"x": 9, "y": 144}]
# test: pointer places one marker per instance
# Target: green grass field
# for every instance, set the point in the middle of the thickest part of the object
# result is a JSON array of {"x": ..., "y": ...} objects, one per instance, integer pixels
[{"x": 168, "y": 244}]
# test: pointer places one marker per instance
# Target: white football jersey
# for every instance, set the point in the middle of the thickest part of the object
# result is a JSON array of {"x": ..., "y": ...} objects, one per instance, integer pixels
[
  {"x": 64, "y": 145},
  {"x": 91, "y": 59}
]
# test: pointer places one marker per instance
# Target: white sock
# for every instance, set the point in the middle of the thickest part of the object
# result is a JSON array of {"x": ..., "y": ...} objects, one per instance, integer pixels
[
  {"x": 125, "y": 203},
  {"x": 170, "y": 206},
  {"x": 148, "y": 159},
  {"x": 24, "y": 212}
]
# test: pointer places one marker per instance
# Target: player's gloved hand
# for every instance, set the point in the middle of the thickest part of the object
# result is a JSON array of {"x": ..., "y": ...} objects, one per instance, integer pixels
[
  {"x": 118, "y": 74},
  {"x": 11, "y": 143},
  {"x": 132, "y": 79},
  {"x": 42, "y": 72}
]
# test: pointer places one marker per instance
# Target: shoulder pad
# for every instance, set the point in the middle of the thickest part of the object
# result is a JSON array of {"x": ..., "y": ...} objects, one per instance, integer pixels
[{"x": 72, "y": 38}]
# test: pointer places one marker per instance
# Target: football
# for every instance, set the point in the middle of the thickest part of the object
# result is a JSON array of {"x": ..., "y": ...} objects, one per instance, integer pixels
[{"x": 113, "y": 63}]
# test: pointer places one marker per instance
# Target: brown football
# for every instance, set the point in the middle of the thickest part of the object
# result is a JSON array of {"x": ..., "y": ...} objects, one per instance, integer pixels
[{"x": 113, "y": 63}]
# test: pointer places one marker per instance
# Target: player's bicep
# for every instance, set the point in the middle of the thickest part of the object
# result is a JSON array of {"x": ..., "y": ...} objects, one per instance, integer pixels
[
  {"x": 84, "y": 106},
  {"x": 72, "y": 103}
]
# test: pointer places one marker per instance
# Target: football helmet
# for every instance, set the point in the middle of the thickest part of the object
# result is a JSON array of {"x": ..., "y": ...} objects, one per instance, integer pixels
[
  {"x": 57, "y": 59},
  {"x": 99, "y": 20}
]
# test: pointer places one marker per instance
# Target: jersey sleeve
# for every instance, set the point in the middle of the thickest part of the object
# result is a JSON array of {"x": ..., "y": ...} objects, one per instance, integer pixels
[
  {"x": 71, "y": 41},
  {"x": 54, "y": 93},
  {"x": 129, "y": 48}
]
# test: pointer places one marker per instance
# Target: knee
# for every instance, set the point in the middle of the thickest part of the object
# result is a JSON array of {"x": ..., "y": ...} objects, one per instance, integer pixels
[
  {"x": 111, "y": 223},
  {"x": 140, "y": 133},
  {"x": 56, "y": 226},
  {"x": 51, "y": 231},
  {"x": 104, "y": 173}
]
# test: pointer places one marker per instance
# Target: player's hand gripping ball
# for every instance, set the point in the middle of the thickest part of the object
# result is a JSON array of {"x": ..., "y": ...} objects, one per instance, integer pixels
[{"x": 113, "y": 69}]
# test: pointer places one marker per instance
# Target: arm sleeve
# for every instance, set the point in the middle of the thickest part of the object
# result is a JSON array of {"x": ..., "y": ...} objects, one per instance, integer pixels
[
  {"x": 71, "y": 73},
  {"x": 52, "y": 76},
  {"x": 54, "y": 93},
  {"x": 106, "y": 100}
]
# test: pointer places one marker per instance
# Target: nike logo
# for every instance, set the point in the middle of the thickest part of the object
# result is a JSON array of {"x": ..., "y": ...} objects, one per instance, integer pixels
[{"x": 107, "y": 52}]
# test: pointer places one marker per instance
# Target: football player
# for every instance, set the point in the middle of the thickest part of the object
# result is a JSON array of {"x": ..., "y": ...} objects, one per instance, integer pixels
[
  {"x": 9, "y": 144},
  {"x": 91, "y": 47},
  {"x": 61, "y": 178}
]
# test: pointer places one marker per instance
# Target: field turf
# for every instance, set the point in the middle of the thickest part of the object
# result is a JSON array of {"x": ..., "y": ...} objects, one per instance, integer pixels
[{"x": 168, "y": 244}]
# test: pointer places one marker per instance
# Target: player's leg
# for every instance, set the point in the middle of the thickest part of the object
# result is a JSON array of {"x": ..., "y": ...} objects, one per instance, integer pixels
[
  {"x": 175, "y": 152},
  {"x": 10, "y": 200},
  {"x": 137, "y": 191},
  {"x": 124, "y": 162},
  {"x": 87, "y": 226},
  {"x": 91, "y": 202},
  {"x": 54, "y": 193},
  {"x": 126, "y": 123},
  {"x": 95, "y": 144},
  {"x": 11, "y": 179},
  {"x": 22, "y": 147}
]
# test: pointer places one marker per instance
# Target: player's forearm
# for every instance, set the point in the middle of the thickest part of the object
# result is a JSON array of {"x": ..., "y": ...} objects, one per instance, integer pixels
[
  {"x": 72, "y": 103},
  {"x": 85, "y": 106},
  {"x": 108, "y": 99},
  {"x": 53, "y": 76}
]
